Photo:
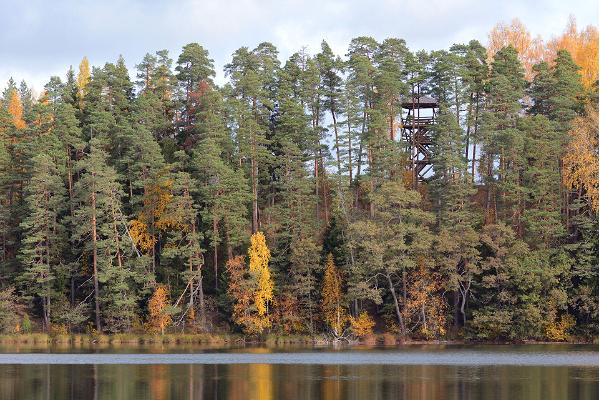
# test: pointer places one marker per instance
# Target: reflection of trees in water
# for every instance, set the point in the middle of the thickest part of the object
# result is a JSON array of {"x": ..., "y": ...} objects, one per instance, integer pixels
[
  {"x": 250, "y": 382},
  {"x": 158, "y": 381},
  {"x": 273, "y": 382}
]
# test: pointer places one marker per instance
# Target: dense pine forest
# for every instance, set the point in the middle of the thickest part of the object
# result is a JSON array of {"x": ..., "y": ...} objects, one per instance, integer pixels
[{"x": 288, "y": 201}]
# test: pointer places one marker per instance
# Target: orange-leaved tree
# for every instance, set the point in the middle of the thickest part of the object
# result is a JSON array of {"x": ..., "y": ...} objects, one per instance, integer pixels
[
  {"x": 15, "y": 109},
  {"x": 159, "y": 309},
  {"x": 335, "y": 313},
  {"x": 583, "y": 47}
]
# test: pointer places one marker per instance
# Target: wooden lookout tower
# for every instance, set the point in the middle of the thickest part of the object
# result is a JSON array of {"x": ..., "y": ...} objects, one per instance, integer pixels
[{"x": 417, "y": 122}]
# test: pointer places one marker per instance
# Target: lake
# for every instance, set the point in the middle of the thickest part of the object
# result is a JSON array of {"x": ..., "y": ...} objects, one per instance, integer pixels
[{"x": 528, "y": 372}]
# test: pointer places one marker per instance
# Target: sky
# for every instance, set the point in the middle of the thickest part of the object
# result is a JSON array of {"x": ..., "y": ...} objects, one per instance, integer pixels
[{"x": 41, "y": 38}]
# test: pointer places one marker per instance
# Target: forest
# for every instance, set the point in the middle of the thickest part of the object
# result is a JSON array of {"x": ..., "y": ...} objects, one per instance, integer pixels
[{"x": 287, "y": 200}]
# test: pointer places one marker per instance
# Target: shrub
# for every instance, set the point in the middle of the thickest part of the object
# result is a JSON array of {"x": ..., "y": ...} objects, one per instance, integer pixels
[
  {"x": 26, "y": 324},
  {"x": 559, "y": 330},
  {"x": 362, "y": 325}
]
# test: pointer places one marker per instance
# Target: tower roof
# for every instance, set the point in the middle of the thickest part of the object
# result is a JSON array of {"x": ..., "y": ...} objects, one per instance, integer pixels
[{"x": 419, "y": 102}]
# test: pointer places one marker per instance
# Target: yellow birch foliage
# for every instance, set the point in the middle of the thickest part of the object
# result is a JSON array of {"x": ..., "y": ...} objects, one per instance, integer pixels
[
  {"x": 335, "y": 314},
  {"x": 583, "y": 47},
  {"x": 15, "y": 109},
  {"x": 558, "y": 331},
  {"x": 83, "y": 78},
  {"x": 243, "y": 291},
  {"x": 159, "y": 319},
  {"x": 580, "y": 163},
  {"x": 260, "y": 255},
  {"x": 530, "y": 49},
  {"x": 155, "y": 215},
  {"x": 362, "y": 325}
]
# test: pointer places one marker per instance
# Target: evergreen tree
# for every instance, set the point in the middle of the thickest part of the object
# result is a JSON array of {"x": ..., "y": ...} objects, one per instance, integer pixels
[
  {"x": 44, "y": 237},
  {"x": 99, "y": 223}
]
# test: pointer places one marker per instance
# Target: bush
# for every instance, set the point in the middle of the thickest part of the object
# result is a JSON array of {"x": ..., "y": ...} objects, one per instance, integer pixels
[
  {"x": 489, "y": 324},
  {"x": 26, "y": 324},
  {"x": 362, "y": 325},
  {"x": 558, "y": 331}
]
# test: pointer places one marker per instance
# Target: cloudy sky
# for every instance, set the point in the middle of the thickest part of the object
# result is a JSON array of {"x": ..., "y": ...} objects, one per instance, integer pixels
[{"x": 40, "y": 38}]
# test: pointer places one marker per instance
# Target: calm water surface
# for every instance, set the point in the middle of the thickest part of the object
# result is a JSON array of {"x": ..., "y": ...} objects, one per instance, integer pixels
[{"x": 414, "y": 372}]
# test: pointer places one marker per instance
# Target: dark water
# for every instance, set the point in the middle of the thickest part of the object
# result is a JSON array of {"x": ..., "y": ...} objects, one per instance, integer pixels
[{"x": 425, "y": 372}]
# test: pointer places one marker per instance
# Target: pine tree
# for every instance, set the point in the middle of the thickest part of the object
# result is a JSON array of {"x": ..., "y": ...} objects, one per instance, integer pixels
[
  {"x": 331, "y": 82},
  {"x": 557, "y": 91},
  {"x": 451, "y": 193},
  {"x": 44, "y": 239},
  {"x": 99, "y": 224},
  {"x": 502, "y": 141},
  {"x": 252, "y": 75}
]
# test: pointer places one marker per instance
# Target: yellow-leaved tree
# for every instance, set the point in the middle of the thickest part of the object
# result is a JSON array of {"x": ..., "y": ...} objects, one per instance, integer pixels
[
  {"x": 259, "y": 256},
  {"x": 580, "y": 163},
  {"x": 83, "y": 78},
  {"x": 155, "y": 216},
  {"x": 251, "y": 289},
  {"x": 362, "y": 325},
  {"x": 335, "y": 314},
  {"x": 159, "y": 310}
]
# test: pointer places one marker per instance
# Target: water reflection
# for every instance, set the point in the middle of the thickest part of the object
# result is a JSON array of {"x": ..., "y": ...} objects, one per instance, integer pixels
[{"x": 268, "y": 382}]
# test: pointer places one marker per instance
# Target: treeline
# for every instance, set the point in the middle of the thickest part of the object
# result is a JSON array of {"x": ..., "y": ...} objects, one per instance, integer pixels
[{"x": 285, "y": 201}]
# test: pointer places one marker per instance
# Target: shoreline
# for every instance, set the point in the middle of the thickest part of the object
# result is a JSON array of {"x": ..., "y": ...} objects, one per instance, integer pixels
[{"x": 240, "y": 341}]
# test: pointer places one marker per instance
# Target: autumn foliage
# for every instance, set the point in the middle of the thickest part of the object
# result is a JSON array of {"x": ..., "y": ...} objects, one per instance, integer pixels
[
  {"x": 530, "y": 49},
  {"x": 362, "y": 325},
  {"x": 580, "y": 163},
  {"x": 582, "y": 45},
  {"x": 259, "y": 256},
  {"x": 251, "y": 289},
  {"x": 158, "y": 308},
  {"x": 15, "y": 109},
  {"x": 83, "y": 78},
  {"x": 425, "y": 309},
  {"x": 154, "y": 215}
]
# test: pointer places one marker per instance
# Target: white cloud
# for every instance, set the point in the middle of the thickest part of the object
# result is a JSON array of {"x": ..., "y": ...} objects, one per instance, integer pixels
[{"x": 39, "y": 38}]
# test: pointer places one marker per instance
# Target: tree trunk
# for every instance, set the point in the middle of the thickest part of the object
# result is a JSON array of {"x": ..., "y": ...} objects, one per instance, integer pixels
[
  {"x": 371, "y": 182},
  {"x": 396, "y": 305},
  {"x": 349, "y": 152},
  {"x": 95, "y": 261},
  {"x": 337, "y": 143},
  {"x": 215, "y": 253},
  {"x": 360, "y": 150}
]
